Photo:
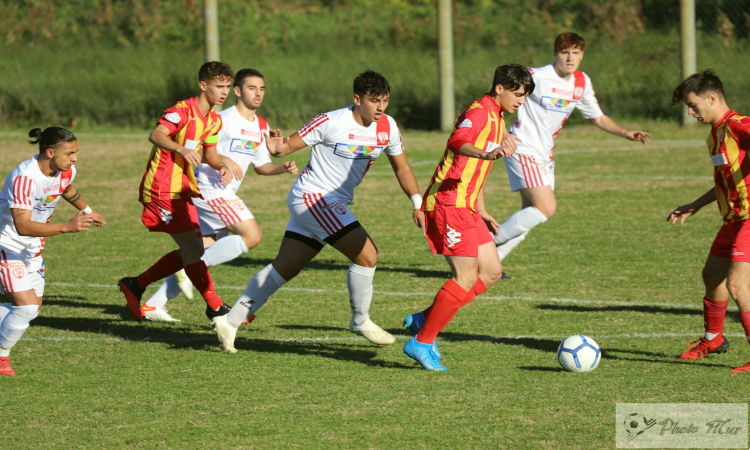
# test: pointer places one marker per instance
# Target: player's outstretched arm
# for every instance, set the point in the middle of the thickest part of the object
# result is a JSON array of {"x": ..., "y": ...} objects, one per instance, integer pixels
[
  {"x": 276, "y": 169},
  {"x": 279, "y": 146},
  {"x": 160, "y": 138},
  {"x": 605, "y": 123},
  {"x": 408, "y": 182},
  {"x": 27, "y": 227},
  {"x": 685, "y": 211},
  {"x": 475, "y": 152},
  {"x": 73, "y": 196}
]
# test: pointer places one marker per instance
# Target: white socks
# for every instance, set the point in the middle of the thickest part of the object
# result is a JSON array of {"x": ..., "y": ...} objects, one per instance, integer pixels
[
  {"x": 710, "y": 336},
  {"x": 5, "y": 310},
  {"x": 14, "y": 324},
  {"x": 359, "y": 282},
  {"x": 166, "y": 292},
  {"x": 263, "y": 285},
  {"x": 517, "y": 226},
  {"x": 223, "y": 250}
]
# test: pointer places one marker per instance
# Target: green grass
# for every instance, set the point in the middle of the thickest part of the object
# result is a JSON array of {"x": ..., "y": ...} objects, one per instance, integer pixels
[{"x": 91, "y": 377}]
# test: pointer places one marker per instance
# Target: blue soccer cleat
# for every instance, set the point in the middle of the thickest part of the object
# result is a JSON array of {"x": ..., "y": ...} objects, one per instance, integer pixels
[
  {"x": 414, "y": 322},
  {"x": 423, "y": 354}
]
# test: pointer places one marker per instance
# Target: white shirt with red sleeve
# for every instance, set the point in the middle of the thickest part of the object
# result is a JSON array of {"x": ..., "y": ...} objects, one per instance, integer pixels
[
  {"x": 343, "y": 151},
  {"x": 26, "y": 187},
  {"x": 549, "y": 106}
]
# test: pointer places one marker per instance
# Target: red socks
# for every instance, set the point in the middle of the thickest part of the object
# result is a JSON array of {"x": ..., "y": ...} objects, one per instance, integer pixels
[
  {"x": 471, "y": 295},
  {"x": 713, "y": 315},
  {"x": 201, "y": 278},
  {"x": 166, "y": 266},
  {"x": 447, "y": 302},
  {"x": 745, "y": 319}
]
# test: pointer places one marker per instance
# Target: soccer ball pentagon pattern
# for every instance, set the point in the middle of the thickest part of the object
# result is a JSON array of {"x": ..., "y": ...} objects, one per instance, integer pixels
[{"x": 578, "y": 353}]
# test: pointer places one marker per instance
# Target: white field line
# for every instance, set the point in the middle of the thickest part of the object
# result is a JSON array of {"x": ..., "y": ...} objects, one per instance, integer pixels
[
  {"x": 696, "y": 306},
  {"x": 400, "y": 337}
]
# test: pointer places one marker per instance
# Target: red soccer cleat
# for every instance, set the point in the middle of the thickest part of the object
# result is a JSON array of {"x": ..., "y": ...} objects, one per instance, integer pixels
[
  {"x": 745, "y": 368},
  {"x": 5, "y": 368},
  {"x": 249, "y": 319},
  {"x": 705, "y": 347},
  {"x": 133, "y": 294}
]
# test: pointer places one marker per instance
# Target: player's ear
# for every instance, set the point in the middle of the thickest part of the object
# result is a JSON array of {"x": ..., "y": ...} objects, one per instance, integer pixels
[
  {"x": 203, "y": 85},
  {"x": 237, "y": 91},
  {"x": 499, "y": 89},
  {"x": 357, "y": 100},
  {"x": 49, "y": 153}
]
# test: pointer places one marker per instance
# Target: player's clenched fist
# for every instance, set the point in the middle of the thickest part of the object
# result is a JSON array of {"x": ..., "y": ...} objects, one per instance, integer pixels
[
  {"x": 290, "y": 167},
  {"x": 79, "y": 222}
]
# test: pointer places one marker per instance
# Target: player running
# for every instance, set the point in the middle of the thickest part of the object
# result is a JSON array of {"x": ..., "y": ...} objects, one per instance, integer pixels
[
  {"x": 345, "y": 143},
  {"x": 185, "y": 133},
  {"x": 457, "y": 224},
  {"x": 27, "y": 201},
  {"x": 727, "y": 269},
  {"x": 560, "y": 88},
  {"x": 241, "y": 140}
]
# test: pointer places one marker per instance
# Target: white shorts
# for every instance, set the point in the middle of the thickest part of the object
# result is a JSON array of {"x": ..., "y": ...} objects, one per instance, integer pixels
[
  {"x": 318, "y": 219},
  {"x": 20, "y": 273},
  {"x": 218, "y": 213},
  {"x": 527, "y": 171}
]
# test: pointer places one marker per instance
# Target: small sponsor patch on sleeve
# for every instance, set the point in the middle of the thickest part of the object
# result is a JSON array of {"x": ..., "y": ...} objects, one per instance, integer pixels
[
  {"x": 465, "y": 124},
  {"x": 173, "y": 117}
]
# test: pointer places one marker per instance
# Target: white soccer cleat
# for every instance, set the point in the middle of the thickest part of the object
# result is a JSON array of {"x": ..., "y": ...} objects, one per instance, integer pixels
[
  {"x": 184, "y": 283},
  {"x": 225, "y": 332},
  {"x": 158, "y": 314},
  {"x": 372, "y": 332}
]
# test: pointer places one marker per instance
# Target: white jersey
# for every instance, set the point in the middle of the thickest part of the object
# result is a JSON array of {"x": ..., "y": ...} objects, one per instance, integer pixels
[
  {"x": 343, "y": 151},
  {"x": 28, "y": 188},
  {"x": 549, "y": 106},
  {"x": 242, "y": 141}
]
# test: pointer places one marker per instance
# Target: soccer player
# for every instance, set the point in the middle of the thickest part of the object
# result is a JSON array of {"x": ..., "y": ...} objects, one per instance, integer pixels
[
  {"x": 185, "y": 132},
  {"x": 560, "y": 88},
  {"x": 345, "y": 143},
  {"x": 727, "y": 269},
  {"x": 27, "y": 201},
  {"x": 241, "y": 139},
  {"x": 457, "y": 224}
]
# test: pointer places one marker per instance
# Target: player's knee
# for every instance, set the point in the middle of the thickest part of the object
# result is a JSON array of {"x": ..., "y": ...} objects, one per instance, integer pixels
[
  {"x": 467, "y": 280},
  {"x": 736, "y": 287},
  {"x": 367, "y": 259},
  {"x": 548, "y": 209},
  {"x": 252, "y": 241},
  {"x": 710, "y": 278}
]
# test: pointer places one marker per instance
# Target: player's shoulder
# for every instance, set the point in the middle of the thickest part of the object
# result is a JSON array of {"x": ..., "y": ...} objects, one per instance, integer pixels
[
  {"x": 29, "y": 168},
  {"x": 391, "y": 121},
  {"x": 337, "y": 114},
  {"x": 228, "y": 113},
  {"x": 736, "y": 121}
]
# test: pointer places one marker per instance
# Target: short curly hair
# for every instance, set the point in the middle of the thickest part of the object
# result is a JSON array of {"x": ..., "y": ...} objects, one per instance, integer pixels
[{"x": 215, "y": 69}]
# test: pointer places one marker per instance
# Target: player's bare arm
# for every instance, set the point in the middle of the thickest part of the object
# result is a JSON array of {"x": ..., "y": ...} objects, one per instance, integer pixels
[
  {"x": 509, "y": 140},
  {"x": 492, "y": 224},
  {"x": 408, "y": 182},
  {"x": 277, "y": 169},
  {"x": 73, "y": 196},
  {"x": 605, "y": 123},
  {"x": 160, "y": 138},
  {"x": 216, "y": 162},
  {"x": 473, "y": 152},
  {"x": 685, "y": 211},
  {"x": 279, "y": 146},
  {"x": 27, "y": 227},
  {"x": 233, "y": 167}
]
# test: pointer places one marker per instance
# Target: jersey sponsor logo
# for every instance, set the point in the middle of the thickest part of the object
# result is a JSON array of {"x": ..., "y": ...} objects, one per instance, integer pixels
[
  {"x": 12, "y": 264},
  {"x": 561, "y": 91},
  {"x": 48, "y": 189},
  {"x": 252, "y": 133},
  {"x": 556, "y": 104},
  {"x": 719, "y": 159},
  {"x": 19, "y": 273},
  {"x": 357, "y": 151},
  {"x": 46, "y": 203},
  {"x": 733, "y": 254},
  {"x": 465, "y": 124},
  {"x": 244, "y": 146},
  {"x": 173, "y": 117},
  {"x": 452, "y": 236},
  {"x": 721, "y": 136},
  {"x": 356, "y": 137},
  {"x": 236, "y": 204}
]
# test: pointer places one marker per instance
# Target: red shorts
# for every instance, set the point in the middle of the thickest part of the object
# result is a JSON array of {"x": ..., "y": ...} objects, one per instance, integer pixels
[
  {"x": 733, "y": 241},
  {"x": 456, "y": 232},
  {"x": 171, "y": 216}
]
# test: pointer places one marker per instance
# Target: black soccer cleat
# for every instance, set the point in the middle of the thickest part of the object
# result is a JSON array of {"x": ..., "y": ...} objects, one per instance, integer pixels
[
  {"x": 505, "y": 277},
  {"x": 133, "y": 294},
  {"x": 223, "y": 311}
]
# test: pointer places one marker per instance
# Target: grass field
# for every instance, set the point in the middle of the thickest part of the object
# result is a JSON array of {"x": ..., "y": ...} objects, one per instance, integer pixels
[{"x": 607, "y": 265}]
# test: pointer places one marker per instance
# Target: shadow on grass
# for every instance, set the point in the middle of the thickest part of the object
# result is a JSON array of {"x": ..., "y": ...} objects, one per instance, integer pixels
[
  {"x": 541, "y": 369},
  {"x": 185, "y": 337},
  {"x": 323, "y": 264},
  {"x": 617, "y": 308}
]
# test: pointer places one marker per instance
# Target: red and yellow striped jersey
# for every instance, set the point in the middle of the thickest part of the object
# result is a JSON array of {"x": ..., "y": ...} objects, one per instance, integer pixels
[
  {"x": 167, "y": 176},
  {"x": 728, "y": 145},
  {"x": 458, "y": 179}
]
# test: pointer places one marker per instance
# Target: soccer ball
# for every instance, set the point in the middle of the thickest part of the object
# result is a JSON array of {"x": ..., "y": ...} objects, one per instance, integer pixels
[{"x": 578, "y": 353}]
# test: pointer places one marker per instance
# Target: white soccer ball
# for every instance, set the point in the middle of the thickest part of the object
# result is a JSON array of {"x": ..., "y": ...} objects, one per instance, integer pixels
[{"x": 579, "y": 353}]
